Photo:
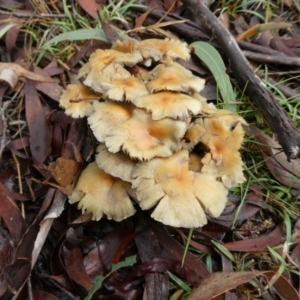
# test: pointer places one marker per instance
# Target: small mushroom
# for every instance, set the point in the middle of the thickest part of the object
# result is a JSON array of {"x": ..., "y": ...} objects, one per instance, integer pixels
[
  {"x": 116, "y": 164},
  {"x": 77, "y": 100},
  {"x": 157, "y": 49},
  {"x": 168, "y": 104},
  {"x": 222, "y": 128},
  {"x": 171, "y": 76},
  {"x": 223, "y": 131},
  {"x": 95, "y": 78},
  {"x": 228, "y": 166},
  {"x": 143, "y": 138},
  {"x": 124, "y": 89},
  {"x": 222, "y": 136},
  {"x": 126, "y": 46},
  {"x": 108, "y": 114},
  {"x": 99, "y": 193},
  {"x": 181, "y": 195}
]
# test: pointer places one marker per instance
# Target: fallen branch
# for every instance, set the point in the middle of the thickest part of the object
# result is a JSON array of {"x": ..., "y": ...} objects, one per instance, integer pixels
[{"x": 288, "y": 135}]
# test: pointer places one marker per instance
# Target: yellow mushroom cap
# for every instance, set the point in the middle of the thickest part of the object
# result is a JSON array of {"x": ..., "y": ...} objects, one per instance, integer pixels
[
  {"x": 99, "y": 193},
  {"x": 124, "y": 89},
  {"x": 102, "y": 58},
  {"x": 107, "y": 114},
  {"x": 85, "y": 97},
  {"x": 95, "y": 79},
  {"x": 116, "y": 164},
  {"x": 217, "y": 132},
  {"x": 228, "y": 166},
  {"x": 193, "y": 136},
  {"x": 173, "y": 77},
  {"x": 123, "y": 46},
  {"x": 143, "y": 138},
  {"x": 182, "y": 195},
  {"x": 222, "y": 132},
  {"x": 207, "y": 108},
  {"x": 156, "y": 49},
  {"x": 168, "y": 104},
  {"x": 222, "y": 135}
]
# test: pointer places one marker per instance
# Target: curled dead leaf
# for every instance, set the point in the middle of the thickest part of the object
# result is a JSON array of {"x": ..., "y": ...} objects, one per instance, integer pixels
[
  {"x": 9, "y": 76},
  {"x": 22, "y": 72}
]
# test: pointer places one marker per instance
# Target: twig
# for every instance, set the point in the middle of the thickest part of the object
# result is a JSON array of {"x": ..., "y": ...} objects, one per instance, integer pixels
[
  {"x": 4, "y": 139},
  {"x": 258, "y": 48},
  {"x": 190, "y": 28},
  {"x": 274, "y": 59},
  {"x": 288, "y": 135},
  {"x": 30, "y": 15}
]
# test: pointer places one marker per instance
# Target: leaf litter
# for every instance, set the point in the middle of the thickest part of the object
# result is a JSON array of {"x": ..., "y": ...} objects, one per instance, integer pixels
[{"x": 49, "y": 250}]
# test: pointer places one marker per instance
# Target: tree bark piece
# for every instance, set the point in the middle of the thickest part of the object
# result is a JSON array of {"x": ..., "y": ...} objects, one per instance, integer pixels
[{"x": 288, "y": 135}]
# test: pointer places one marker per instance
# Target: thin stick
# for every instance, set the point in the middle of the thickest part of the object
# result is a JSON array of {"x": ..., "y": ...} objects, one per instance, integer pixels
[{"x": 19, "y": 181}]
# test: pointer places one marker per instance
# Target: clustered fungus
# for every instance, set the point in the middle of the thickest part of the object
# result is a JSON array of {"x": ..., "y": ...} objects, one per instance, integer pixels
[{"x": 146, "y": 112}]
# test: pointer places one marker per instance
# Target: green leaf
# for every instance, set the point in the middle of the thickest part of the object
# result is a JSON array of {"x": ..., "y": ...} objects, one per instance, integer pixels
[
  {"x": 188, "y": 241},
  {"x": 129, "y": 261},
  {"x": 212, "y": 59},
  {"x": 80, "y": 34}
]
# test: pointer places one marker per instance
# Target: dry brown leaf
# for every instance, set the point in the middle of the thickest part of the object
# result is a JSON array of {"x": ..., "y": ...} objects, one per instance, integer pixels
[
  {"x": 51, "y": 89},
  {"x": 64, "y": 170},
  {"x": 284, "y": 171},
  {"x": 283, "y": 286},
  {"x": 220, "y": 282},
  {"x": 91, "y": 7},
  {"x": 260, "y": 243},
  {"x": 141, "y": 19},
  {"x": 11, "y": 215},
  {"x": 37, "y": 123}
]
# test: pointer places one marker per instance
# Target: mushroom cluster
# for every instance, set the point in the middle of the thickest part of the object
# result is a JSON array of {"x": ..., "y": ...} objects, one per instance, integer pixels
[{"x": 160, "y": 143}]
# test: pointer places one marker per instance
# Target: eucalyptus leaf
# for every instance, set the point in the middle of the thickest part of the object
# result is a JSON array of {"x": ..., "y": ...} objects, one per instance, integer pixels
[
  {"x": 80, "y": 34},
  {"x": 212, "y": 59}
]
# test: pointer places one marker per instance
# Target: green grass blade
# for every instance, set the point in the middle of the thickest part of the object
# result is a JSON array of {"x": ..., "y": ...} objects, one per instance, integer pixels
[
  {"x": 212, "y": 59},
  {"x": 187, "y": 246},
  {"x": 80, "y": 34},
  {"x": 5, "y": 27},
  {"x": 129, "y": 261},
  {"x": 179, "y": 282},
  {"x": 224, "y": 251}
]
